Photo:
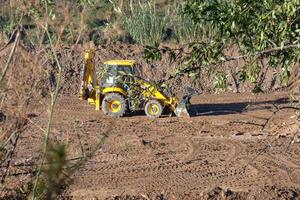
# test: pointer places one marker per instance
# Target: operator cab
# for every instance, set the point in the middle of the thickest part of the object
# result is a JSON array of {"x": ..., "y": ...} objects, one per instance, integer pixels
[{"x": 115, "y": 73}]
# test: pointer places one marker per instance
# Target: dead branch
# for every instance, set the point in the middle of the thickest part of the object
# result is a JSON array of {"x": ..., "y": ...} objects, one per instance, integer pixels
[
  {"x": 13, "y": 139},
  {"x": 12, "y": 52}
]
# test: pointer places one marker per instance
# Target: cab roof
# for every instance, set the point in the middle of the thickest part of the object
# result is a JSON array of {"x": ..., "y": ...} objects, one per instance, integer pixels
[{"x": 120, "y": 62}]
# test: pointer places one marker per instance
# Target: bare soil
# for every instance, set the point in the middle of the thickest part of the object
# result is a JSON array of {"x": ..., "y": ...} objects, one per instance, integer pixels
[
  {"x": 228, "y": 149},
  {"x": 235, "y": 146}
]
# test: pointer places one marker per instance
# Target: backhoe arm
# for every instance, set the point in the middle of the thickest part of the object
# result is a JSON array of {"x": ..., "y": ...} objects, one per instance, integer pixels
[{"x": 87, "y": 76}]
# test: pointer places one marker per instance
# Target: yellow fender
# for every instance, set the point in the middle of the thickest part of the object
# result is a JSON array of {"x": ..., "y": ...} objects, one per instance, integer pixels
[
  {"x": 114, "y": 89},
  {"x": 153, "y": 92}
]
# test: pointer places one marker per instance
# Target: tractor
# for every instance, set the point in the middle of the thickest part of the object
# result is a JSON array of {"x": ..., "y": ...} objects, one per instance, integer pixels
[{"x": 121, "y": 90}]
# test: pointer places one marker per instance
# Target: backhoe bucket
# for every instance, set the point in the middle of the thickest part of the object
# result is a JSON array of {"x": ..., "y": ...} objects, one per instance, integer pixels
[{"x": 182, "y": 110}]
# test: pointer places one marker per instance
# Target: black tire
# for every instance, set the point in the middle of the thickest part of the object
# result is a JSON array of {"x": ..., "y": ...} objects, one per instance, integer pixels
[
  {"x": 114, "y": 109},
  {"x": 153, "y": 109}
]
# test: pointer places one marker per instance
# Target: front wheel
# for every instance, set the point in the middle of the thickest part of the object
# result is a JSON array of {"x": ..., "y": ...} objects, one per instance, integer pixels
[
  {"x": 114, "y": 105},
  {"x": 153, "y": 109}
]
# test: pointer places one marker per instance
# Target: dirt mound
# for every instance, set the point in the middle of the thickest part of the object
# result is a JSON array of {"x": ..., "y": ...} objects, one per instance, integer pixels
[
  {"x": 72, "y": 61},
  {"x": 266, "y": 192},
  {"x": 218, "y": 193},
  {"x": 275, "y": 192},
  {"x": 71, "y": 58}
]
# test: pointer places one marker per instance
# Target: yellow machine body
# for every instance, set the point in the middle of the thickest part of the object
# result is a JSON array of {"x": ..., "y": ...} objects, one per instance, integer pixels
[
  {"x": 94, "y": 93},
  {"x": 152, "y": 92}
]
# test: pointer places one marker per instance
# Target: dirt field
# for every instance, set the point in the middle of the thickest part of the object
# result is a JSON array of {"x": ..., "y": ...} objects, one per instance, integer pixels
[{"x": 227, "y": 150}]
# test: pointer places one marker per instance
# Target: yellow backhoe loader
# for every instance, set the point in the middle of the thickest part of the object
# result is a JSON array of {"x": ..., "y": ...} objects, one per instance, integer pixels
[{"x": 120, "y": 90}]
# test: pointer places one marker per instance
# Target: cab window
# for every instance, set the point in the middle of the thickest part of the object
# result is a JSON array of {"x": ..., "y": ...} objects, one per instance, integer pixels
[{"x": 115, "y": 74}]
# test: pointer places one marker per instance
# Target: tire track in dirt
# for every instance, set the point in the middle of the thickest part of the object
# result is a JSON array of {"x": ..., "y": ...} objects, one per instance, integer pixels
[
  {"x": 199, "y": 173},
  {"x": 176, "y": 156},
  {"x": 179, "y": 155}
]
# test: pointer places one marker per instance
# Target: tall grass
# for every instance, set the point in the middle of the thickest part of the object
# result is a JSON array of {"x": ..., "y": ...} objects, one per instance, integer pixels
[
  {"x": 145, "y": 25},
  {"x": 185, "y": 29},
  {"x": 147, "y": 22}
]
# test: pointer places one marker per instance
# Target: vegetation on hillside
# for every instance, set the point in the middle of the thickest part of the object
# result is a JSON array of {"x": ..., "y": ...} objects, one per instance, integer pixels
[
  {"x": 266, "y": 35},
  {"x": 142, "y": 22}
]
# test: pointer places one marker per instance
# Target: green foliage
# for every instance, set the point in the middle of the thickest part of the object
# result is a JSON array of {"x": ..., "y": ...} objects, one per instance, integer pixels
[
  {"x": 185, "y": 28},
  {"x": 254, "y": 27},
  {"x": 136, "y": 97},
  {"x": 241, "y": 76},
  {"x": 285, "y": 75},
  {"x": 257, "y": 89},
  {"x": 145, "y": 25},
  {"x": 8, "y": 24},
  {"x": 53, "y": 177},
  {"x": 260, "y": 30},
  {"x": 220, "y": 83},
  {"x": 148, "y": 22},
  {"x": 86, "y": 2},
  {"x": 252, "y": 72},
  {"x": 152, "y": 53}
]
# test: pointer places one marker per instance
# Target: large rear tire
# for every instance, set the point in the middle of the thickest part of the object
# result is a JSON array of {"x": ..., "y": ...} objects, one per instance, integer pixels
[
  {"x": 114, "y": 105},
  {"x": 153, "y": 109}
]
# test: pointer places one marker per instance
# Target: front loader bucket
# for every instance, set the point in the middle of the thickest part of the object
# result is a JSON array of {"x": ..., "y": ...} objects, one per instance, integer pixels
[{"x": 182, "y": 110}]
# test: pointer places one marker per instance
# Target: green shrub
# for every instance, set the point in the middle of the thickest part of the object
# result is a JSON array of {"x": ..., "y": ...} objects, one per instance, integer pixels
[
  {"x": 54, "y": 174},
  {"x": 221, "y": 82},
  {"x": 8, "y": 25}
]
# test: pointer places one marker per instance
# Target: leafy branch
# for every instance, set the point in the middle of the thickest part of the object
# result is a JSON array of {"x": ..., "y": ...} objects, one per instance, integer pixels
[{"x": 258, "y": 30}]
